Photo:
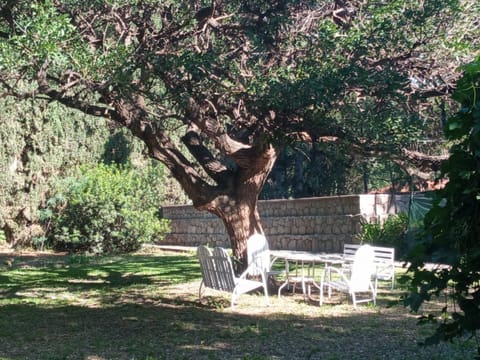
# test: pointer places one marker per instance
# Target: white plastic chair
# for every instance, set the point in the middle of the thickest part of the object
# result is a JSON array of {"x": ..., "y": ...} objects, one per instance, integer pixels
[
  {"x": 358, "y": 280},
  {"x": 217, "y": 273},
  {"x": 384, "y": 260},
  {"x": 259, "y": 260}
]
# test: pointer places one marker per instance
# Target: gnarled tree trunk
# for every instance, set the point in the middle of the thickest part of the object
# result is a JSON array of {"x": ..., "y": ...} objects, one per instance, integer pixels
[
  {"x": 238, "y": 207},
  {"x": 241, "y": 219}
]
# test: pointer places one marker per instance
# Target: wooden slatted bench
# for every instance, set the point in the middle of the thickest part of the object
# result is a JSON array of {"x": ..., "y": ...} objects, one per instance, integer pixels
[
  {"x": 384, "y": 260},
  {"x": 217, "y": 274}
]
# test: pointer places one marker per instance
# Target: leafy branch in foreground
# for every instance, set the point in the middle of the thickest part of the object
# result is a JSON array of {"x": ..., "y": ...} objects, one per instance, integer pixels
[{"x": 452, "y": 226}]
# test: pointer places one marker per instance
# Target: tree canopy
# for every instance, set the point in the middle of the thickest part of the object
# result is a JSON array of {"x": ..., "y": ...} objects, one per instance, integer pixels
[{"x": 239, "y": 78}]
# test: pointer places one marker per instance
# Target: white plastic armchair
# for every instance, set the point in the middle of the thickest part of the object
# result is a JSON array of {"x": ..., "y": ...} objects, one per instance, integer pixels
[
  {"x": 217, "y": 273},
  {"x": 259, "y": 260},
  {"x": 357, "y": 280}
]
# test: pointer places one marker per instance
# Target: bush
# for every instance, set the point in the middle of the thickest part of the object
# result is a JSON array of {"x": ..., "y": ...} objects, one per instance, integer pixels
[
  {"x": 391, "y": 232},
  {"x": 107, "y": 209}
]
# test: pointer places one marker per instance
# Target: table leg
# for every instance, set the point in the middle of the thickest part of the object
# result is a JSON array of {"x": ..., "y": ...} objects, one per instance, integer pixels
[{"x": 287, "y": 277}]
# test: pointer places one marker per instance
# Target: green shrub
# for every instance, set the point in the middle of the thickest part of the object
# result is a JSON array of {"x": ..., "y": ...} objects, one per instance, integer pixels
[
  {"x": 106, "y": 209},
  {"x": 391, "y": 232},
  {"x": 371, "y": 233}
]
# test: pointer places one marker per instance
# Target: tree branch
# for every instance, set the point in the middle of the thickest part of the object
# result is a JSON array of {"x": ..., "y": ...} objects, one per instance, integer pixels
[{"x": 213, "y": 167}]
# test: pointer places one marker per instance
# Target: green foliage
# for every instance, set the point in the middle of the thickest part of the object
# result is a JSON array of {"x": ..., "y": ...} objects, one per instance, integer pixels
[
  {"x": 257, "y": 72},
  {"x": 391, "y": 232},
  {"x": 325, "y": 170},
  {"x": 309, "y": 170},
  {"x": 452, "y": 226},
  {"x": 40, "y": 145},
  {"x": 106, "y": 209},
  {"x": 371, "y": 232},
  {"x": 43, "y": 144},
  {"x": 117, "y": 149},
  {"x": 382, "y": 175}
]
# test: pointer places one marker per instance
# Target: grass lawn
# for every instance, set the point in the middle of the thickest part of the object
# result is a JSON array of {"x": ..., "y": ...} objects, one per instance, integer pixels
[{"x": 145, "y": 306}]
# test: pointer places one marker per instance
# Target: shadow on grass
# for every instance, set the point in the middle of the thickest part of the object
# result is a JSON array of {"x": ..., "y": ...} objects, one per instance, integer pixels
[
  {"x": 145, "y": 307},
  {"x": 183, "y": 331}
]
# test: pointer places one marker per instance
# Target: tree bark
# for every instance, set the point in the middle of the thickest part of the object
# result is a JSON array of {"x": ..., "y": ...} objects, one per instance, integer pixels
[
  {"x": 241, "y": 220},
  {"x": 238, "y": 207}
]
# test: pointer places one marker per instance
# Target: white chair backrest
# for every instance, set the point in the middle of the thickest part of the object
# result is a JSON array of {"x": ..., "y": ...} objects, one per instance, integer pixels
[
  {"x": 223, "y": 269},
  {"x": 216, "y": 267},
  {"x": 363, "y": 269},
  {"x": 207, "y": 266},
  {"x": 258, "y": 253}
]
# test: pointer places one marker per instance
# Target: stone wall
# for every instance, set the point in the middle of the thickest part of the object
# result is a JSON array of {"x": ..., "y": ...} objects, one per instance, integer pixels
[{"x": 310, "y": 224}]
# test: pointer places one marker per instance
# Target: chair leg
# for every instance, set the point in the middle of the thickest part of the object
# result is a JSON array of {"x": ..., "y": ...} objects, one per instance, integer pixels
[
  {"x": 200, "y": 291},
  {"x": 321, "y": 294},
  {"x": 234, "y": 297},
  {"x": 287, "y": 284},
  {"x": 265, "y": 288}
]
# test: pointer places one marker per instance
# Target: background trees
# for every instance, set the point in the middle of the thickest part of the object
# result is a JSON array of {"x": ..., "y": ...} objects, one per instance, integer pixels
[
  {"x": 313, "y": 169},
  {"x": 241, "y": 79},
  {"x": 44, "y": 144},
  {"x": 39, "y": 145}
]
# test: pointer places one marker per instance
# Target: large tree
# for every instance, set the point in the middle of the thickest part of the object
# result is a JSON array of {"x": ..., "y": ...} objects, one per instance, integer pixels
[{"x": 238, "y": 79}]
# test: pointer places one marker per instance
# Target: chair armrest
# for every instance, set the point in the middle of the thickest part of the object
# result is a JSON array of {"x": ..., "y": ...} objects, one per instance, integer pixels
[
  {"x": 249, "y": 269},
  {"x": 328, "y": 270}
]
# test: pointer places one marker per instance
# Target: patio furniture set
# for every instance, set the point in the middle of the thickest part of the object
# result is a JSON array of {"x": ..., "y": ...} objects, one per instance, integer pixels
[{"x": 356, "y": 271}]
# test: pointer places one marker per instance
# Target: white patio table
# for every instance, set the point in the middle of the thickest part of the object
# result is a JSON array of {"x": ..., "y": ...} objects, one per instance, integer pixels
[{"x": 305, "y": 269}]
